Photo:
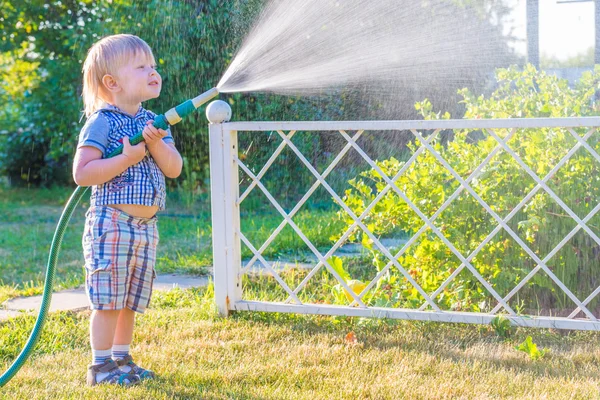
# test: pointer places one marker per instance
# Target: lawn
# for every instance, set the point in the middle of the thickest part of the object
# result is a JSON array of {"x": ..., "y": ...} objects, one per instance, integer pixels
[
  {"x": 197, "y": 354},
  {"x": 266, "y": 356}
]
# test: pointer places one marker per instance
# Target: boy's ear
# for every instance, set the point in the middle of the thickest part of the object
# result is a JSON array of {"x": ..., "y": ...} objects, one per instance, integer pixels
[{"x": 110, "y": 83}]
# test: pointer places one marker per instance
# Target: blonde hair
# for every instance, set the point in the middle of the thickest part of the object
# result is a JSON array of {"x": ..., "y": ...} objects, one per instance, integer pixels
[{"x": 105, "y": 57}]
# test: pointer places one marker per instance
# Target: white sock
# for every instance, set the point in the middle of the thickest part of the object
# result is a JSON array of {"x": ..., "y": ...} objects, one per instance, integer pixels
[
  {"x": 100, "y": 357},
  {"x": 121, "y": 351}
]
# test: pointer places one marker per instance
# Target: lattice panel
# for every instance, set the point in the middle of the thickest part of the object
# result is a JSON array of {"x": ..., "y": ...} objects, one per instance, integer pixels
[{"x": 464, "y": 187}]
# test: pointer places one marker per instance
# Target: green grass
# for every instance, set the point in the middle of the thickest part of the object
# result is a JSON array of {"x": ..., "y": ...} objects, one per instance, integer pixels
[
  {"x": 258, "y": 355},
  {"x": 28, "y": 218},
  {"x": 196, "y": 355}
]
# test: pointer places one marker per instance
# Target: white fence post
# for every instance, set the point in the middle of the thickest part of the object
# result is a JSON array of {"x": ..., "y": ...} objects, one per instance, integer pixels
[{"x": 225, "y": 217}]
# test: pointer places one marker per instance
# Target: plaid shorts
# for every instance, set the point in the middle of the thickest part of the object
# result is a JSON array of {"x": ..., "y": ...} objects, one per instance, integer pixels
[{"x": 120, "y": 253}]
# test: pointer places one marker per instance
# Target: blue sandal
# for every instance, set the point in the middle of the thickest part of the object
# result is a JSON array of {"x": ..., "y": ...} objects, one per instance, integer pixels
[
  {"x": 135, "y": 369},
  {"x": 115, "y": 375}
]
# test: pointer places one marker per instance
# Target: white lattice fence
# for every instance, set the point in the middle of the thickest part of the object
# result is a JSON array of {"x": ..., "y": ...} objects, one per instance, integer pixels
[{"x": 227, "y": 167}]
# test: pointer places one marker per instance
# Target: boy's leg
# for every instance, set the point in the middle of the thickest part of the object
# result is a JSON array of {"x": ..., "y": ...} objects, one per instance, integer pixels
[
  {"x": 140, "y": 293},
  {"x": 120, "y": 349},
  {"x": 123, "y": 337},
  {"x": 102, "y": 328},
  {"x": 141, "y": 275},
  {"x": 124, "y": 327},
  {"x": 103, "y": 324},
  {"x": 105, "y": 245}
]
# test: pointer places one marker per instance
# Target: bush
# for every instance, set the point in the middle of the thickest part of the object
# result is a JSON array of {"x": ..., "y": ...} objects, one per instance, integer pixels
[{"x": 541, "y": 223}]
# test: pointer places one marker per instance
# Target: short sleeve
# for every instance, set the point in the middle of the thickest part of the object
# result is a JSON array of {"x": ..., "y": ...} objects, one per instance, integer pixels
[{"x": 95, "y": 133}]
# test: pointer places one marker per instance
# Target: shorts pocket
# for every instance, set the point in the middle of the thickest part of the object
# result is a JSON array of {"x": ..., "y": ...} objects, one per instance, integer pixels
[{"x": 99, "y": 281}]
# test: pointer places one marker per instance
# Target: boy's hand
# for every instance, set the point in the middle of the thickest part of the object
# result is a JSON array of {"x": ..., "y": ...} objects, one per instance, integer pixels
[
  {"x": 136, "y": 153},
  {"x": 153, "y": 135}
]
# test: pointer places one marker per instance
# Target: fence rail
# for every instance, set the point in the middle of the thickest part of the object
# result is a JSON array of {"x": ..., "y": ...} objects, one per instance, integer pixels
[{"x": 226, "y": 167}]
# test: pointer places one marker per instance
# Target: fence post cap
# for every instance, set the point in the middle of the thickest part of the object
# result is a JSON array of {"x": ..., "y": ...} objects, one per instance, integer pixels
[{"x": 218, "y": 112}]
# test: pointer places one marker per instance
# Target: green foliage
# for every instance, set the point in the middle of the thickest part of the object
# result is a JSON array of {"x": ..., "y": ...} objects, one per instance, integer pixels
[
  {"x": 340, "y": 294},
  {"x": 531, "y": 349},
  {"x": 502, "y": 326},
  {"x": 42, "y": 47},
  {"x": 503, "y": 183},
  {"x": 41, "y": 53},
  {"x": 338, "y": 266}
]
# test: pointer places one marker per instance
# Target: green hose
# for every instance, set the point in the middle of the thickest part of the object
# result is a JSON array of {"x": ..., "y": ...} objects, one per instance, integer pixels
[{"x": 161, "y": 121}]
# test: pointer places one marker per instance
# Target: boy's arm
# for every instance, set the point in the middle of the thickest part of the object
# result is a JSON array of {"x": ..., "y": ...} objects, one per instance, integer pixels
[
  {"x": 89, "y": 168},
  {"x": 164, "y": 154},
  {"x": 166, "y": 157}
]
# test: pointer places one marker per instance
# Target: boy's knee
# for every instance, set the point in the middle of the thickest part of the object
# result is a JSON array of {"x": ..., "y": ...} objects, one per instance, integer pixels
[{"x": 106, "y": 313}]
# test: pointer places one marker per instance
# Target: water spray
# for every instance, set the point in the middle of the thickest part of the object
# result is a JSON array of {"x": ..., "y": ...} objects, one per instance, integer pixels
[{"x": 163, "y": 121}]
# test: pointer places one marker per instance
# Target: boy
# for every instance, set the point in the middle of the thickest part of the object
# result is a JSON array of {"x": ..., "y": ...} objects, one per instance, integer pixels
[{"x": 120, "y": 236}]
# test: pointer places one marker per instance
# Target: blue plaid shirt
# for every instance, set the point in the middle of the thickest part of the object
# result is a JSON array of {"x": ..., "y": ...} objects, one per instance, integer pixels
[{"x": 142, "y": 183}]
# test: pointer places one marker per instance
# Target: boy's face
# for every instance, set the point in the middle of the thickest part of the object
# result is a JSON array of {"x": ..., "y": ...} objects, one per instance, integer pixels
[{"x": 139, "y": 80}]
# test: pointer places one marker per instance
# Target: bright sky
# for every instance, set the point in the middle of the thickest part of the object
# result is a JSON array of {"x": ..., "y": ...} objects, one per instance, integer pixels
[{"x": 566, "y": 29}]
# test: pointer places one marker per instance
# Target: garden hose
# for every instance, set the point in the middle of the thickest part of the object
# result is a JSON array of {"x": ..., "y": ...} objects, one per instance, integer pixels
[{"x": 171, "y": 117}]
